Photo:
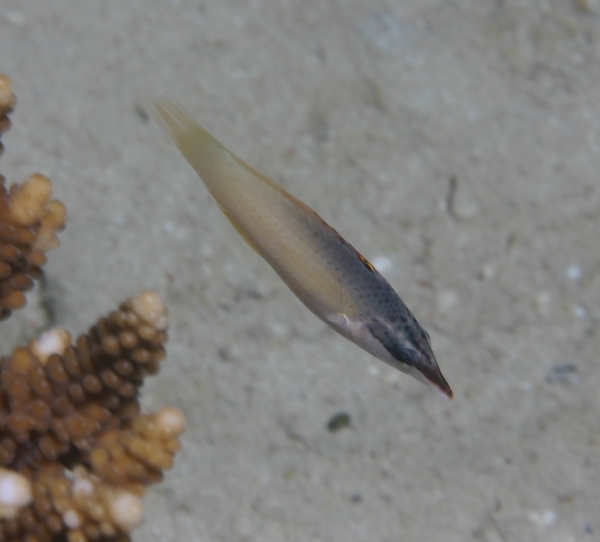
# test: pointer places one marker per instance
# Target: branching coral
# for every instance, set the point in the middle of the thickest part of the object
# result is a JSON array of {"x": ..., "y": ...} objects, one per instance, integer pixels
[
  {"x": 76, "y": 454},
  {"x": 28, "y": 224}
]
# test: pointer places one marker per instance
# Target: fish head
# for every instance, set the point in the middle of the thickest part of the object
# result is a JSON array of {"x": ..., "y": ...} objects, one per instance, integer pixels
[
  {"x": 406, "y": 346},
  {"x": 401, "y": 343}
]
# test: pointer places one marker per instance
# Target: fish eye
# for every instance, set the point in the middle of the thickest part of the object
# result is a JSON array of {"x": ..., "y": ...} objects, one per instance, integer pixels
[
  {"x": 401, "y": 353},
  {"x": 407, "y": 356}
]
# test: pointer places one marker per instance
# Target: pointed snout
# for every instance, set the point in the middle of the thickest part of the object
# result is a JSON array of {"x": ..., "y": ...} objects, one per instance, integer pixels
[{"x": 434, "y": 376}]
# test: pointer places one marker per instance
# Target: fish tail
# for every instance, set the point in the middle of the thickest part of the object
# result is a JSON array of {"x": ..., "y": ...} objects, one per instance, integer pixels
[{"x": 191, "y": 138}]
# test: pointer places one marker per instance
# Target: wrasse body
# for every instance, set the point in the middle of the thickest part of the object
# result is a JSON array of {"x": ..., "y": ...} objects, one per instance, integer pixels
[{"x": 324, "y": 271}]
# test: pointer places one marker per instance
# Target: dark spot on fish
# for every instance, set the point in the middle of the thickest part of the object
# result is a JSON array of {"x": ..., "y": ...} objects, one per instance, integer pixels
[{"x": 391, "y": 343}]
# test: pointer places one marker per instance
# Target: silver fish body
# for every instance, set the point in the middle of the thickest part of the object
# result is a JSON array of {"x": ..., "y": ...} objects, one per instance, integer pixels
[{"x": 323, "y": 270}]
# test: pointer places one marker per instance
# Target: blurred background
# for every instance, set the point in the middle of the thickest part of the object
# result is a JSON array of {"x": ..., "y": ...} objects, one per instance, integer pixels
[{"x": 455, "y": 143}]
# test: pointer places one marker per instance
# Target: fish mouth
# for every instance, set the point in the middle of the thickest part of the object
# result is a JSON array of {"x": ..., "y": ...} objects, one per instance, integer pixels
[
  {"x": 420, "y": 364},
  {"x": 434, "y": 376}
]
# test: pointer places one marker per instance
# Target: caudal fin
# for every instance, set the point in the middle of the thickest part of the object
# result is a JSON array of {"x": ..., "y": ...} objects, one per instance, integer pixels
[{"x": 190, "y": 138}]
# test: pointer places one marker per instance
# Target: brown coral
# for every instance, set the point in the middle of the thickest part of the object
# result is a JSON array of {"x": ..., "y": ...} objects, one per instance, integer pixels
[
  {"x": 70, "y": 422},
  {"x": 7, "y": 104},
  {"x": 29, "y": 222},
  {"x": 75, "y": 453},
  {"x": 54, "y": 402}
]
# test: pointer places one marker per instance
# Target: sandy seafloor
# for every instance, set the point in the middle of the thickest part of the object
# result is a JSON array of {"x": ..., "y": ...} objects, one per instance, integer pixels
[{"x": 366, "y": 110}]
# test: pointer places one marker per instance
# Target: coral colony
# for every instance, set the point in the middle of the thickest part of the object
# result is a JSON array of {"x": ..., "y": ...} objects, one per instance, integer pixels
[{"x": 76, "y": 454}]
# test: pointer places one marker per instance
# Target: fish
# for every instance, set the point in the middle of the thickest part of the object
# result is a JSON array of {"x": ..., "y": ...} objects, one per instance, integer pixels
[{"x": 325, "y": 272}]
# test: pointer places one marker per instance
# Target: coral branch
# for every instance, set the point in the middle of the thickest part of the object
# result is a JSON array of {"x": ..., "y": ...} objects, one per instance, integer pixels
[
  {"x": 29, "y": 222},
  {"x": 7, "y": 104},
  {"x": 54, "y": 402},
  {"x": 76, "y": 455},
  {"x": 15, "y": 493},
  {"x": 70, "y": 423}
]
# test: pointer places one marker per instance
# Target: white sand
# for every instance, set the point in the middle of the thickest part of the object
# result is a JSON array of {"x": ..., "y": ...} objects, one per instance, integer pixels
[{"x": 366, "y": 110}]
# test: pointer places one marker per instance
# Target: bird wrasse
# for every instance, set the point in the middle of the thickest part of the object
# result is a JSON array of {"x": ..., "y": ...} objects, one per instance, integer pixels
[{"x": 333, "y": 280}]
